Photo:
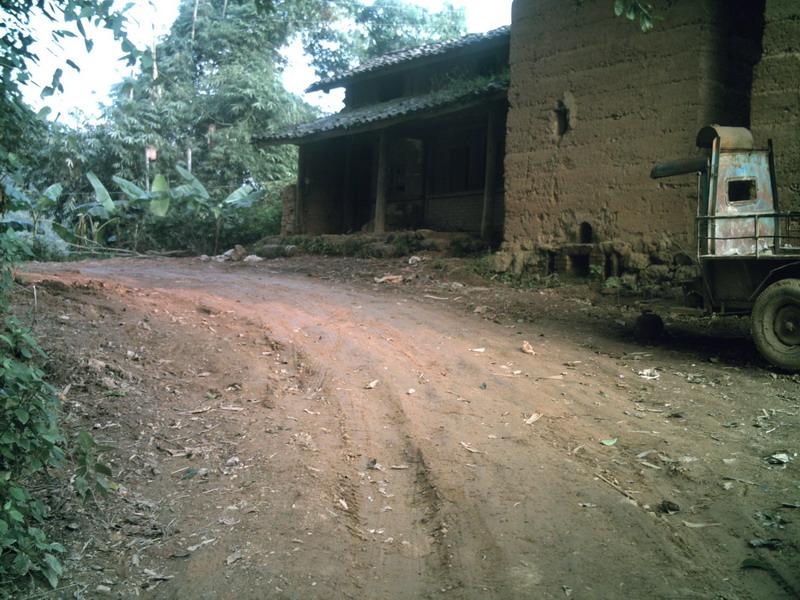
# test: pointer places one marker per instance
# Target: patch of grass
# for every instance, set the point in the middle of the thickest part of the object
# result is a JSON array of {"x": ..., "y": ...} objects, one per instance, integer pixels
[{"x": 526, "y": 280}]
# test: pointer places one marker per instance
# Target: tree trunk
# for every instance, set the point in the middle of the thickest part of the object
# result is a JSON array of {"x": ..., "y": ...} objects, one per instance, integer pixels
[
  {"x": 146, "y": 171},
  {"x": 194, "y": 17},
  {"x": 216, "y": 235}
]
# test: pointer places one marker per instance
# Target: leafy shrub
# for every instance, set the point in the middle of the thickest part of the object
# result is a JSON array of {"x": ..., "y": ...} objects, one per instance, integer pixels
[
  {"x": 195, "y": 232},
  {"x": 45, "y": 244},
  {"x": 29, "y": 438},
  {"x": 91, "y": 474}
]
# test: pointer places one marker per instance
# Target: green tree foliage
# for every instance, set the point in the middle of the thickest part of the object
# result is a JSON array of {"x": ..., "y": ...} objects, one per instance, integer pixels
[
  {"x": 17, "y": 38},
  {"x": 388, "y": 26},
  {"x": 211, "y": 84},
  {"x": 376, "y": 29}
]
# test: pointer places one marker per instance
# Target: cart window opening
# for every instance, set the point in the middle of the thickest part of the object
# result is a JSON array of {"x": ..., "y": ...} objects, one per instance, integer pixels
[{"x": 742, "y": 190}]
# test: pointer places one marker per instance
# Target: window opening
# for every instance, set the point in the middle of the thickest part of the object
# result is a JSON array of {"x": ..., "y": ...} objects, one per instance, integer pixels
[{"x": 742, "y": 190}]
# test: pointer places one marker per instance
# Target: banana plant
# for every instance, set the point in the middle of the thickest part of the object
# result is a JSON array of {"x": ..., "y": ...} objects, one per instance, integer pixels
[
  {"x": 94, "y": 218},
  {"x": 201, "y": 201},
  {"x": 156, "y": 201}
]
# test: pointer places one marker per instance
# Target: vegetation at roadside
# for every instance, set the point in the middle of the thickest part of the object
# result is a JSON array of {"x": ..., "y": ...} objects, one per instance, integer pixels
[
  {"x": 32, "y": 445},
  {"x": 30, "y": 441}
]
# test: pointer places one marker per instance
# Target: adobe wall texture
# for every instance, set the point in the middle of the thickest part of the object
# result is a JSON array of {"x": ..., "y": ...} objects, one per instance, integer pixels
[
  {"x": 776, "y": 95},
  {"x": 594, "y": 103},
  {"x": 321, "y": 183}
]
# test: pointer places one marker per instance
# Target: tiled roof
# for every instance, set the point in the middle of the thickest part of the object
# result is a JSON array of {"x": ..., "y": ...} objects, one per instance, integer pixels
[
  {"x": 408, "y": 54},
  {"x": 368, "y": 116}
]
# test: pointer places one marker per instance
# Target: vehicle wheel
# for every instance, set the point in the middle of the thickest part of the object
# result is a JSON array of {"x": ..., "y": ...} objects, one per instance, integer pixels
[{"x": 776, "y": 324}]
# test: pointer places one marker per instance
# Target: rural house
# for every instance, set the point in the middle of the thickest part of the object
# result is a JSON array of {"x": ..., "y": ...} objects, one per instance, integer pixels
[
  {"x": 594, "y": 103},
  {"x": 419, "y": 144},
  {"x": 545, "y": 143}
]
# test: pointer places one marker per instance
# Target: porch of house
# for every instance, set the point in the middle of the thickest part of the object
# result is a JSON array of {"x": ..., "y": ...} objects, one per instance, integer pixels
[{"x": 443, "y": 174}]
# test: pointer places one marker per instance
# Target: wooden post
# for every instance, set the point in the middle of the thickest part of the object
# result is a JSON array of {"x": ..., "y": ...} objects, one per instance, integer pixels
[
  {"x": 146, "y": 169},
  {"x": 380, "y": 185},
  {"x": 298, "y": 197},
  {"x": 426, "y": 177},
  {"x": 487, "y": 216},
  {"x": 348, "y": 209}
]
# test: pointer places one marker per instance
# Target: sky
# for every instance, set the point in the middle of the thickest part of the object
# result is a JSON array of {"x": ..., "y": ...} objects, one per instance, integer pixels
[{"x": 86, "y": 90}]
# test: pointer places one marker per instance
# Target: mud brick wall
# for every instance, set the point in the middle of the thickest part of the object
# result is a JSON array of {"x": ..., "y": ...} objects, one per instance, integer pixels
[
  {"x": 321, "y": 184},
  {"x": 776, "y": 95},
  {"x": 288, "y": 200},
  {"x": 594, "y": 103}
]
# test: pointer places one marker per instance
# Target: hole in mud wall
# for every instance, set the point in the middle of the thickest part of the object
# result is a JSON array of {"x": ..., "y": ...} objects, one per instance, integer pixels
[
  {"x": 579, "y": 264},
  {"x": 585, "y": 233},
  {"x": 562, "y": 119}
]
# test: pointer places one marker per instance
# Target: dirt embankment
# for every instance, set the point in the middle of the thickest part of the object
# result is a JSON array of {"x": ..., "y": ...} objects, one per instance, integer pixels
[{"x": 283, "y": 435}]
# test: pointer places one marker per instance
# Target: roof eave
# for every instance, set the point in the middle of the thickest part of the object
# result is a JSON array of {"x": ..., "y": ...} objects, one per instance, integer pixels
[
  {"x": 485, "y": 98},
  {"x": 413, "y": 62}
]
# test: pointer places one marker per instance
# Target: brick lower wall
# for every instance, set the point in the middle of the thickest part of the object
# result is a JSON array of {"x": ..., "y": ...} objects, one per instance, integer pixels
[{"x": 454, "y": 213}]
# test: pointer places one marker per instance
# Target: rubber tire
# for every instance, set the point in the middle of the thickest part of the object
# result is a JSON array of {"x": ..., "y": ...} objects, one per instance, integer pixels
[{"x": 772, "y": 299}]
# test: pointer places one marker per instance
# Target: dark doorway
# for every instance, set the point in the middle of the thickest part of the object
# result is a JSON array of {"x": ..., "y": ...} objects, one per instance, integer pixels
[{"x": 585, "y": 233}]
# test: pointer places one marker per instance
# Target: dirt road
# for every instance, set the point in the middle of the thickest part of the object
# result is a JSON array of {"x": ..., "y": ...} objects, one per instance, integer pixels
[{"x": 280, "y": 435}]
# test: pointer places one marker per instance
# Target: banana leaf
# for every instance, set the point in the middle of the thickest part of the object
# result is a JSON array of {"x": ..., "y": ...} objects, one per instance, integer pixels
[{"x": 101, "y": 193}]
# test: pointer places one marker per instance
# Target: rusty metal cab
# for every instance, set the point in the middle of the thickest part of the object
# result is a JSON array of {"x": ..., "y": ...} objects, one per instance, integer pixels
[{"x": 747, "y": 250}]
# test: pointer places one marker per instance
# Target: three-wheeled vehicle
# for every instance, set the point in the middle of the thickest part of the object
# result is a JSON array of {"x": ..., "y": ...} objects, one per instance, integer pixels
[{"x": 747, "y": 250}]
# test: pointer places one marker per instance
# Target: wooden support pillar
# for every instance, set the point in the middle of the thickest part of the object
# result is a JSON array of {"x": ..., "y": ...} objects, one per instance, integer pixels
[
  {"x": 427, "y": 171},
  {"x": 380, "y": 185},
  {"x": 299, "y": 205},
  {"x": 487, "y": 216},
  {"x": 348, "y": 210}
]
